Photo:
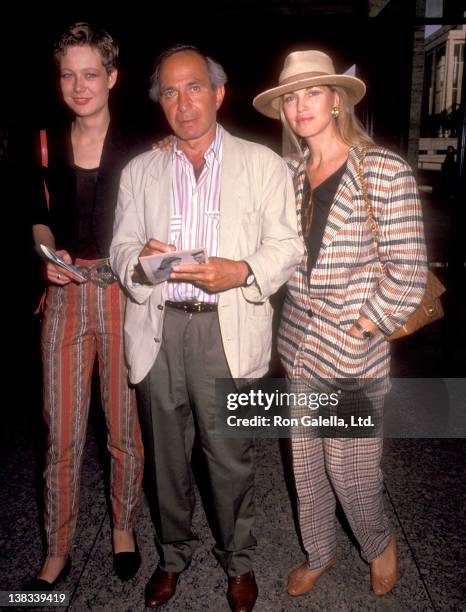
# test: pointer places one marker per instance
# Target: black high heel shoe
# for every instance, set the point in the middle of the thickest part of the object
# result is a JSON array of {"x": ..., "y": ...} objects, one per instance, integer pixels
[
  {"x": 39, "y": 584},
  {"x": 126, "y": 564}
]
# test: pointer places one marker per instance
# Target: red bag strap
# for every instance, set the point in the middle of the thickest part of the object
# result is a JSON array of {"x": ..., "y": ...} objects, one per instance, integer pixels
[
  {"x": 41, "y": 305},
  {"x": 44, "y": 152},
  {"x": 44, "y": 157}
]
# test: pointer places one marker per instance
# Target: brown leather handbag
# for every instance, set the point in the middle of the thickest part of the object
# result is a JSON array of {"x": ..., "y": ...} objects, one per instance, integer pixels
[{"x": 430, "y": 309}]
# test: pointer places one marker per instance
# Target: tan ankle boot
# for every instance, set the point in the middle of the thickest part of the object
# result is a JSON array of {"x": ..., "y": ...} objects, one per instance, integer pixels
[
  {"x": 384, "y": 569},
  {"x": 302, "y": 579}
]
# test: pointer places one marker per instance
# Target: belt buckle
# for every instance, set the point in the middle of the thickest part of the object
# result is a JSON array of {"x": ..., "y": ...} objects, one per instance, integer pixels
[
  {"x": 101, "y": 274},
  {"x": 85, "y": 271},
  {"x": 197, "y": 307}
]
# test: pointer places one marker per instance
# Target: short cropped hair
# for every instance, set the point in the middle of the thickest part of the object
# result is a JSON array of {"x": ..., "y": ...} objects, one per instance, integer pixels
[
  {"x": 80, "y": 34},
  {"x": 217, "y": 75}
]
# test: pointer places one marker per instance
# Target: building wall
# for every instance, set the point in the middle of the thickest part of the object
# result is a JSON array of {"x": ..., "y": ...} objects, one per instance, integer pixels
[
  {"x": 417, "y": 84},
  {"x": 437, "y": 122},
  {"x": 375, "y": 6}
]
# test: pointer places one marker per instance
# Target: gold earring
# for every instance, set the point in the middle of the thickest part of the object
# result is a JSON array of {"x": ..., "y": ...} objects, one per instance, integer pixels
[{"x": 335, "y": 112}]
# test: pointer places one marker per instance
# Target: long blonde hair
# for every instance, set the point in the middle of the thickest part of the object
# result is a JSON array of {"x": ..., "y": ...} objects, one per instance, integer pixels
[{"x": 349, "y": 128}]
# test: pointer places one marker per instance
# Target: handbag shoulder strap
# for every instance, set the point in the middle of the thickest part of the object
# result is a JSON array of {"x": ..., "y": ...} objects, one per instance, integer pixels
[
  {"x": 44, "y": 158},
  {"x": 368, "y": 203},
  {"x": 44, "y": 152}
]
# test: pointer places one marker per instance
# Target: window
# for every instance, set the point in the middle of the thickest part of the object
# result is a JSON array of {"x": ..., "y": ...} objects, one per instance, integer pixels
[
  {"x": 439, "y": 104},
  {"x": 457, "y": 76},
  {"x": 434, "y": 8}
]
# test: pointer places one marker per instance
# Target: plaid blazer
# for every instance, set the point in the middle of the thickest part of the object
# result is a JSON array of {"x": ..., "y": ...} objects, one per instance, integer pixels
[{"x": 347, "y": 279}]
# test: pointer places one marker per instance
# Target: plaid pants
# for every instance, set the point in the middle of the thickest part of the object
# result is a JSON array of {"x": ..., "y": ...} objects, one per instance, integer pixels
[
  {"x": 327, "y": 469},
  {"x": 80, "y": 323}
]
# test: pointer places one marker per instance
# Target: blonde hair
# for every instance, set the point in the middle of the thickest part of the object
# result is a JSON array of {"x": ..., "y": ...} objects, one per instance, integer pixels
[
  {"x": 349, "y": 128},
  {"x": 80, "y": 34}
]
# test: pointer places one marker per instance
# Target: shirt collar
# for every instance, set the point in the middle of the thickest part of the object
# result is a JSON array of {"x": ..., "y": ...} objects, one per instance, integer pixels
[{"x": 214, "y": 152}]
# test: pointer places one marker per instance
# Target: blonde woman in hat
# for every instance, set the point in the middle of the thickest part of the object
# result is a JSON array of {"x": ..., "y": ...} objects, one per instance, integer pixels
[{"x": 340, "y": 305}]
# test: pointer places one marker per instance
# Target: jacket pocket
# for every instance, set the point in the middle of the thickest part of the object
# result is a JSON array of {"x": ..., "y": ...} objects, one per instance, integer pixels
[
  {"x": 250, "y": 236},
  {"x": 259, "y": 341}
]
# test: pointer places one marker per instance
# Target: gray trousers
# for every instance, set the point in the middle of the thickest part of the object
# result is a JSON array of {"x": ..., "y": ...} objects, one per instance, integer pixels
[{"x": 177, "y": 402}]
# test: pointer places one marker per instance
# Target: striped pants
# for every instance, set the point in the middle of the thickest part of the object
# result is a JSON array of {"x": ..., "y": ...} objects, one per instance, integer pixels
[
  {"x": 347, "y": 470},
  {"x": 80, "y": 322}
]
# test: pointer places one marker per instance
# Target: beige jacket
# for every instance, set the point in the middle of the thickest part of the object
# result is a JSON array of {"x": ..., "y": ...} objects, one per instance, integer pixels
[{"x": 257, "y": 224}]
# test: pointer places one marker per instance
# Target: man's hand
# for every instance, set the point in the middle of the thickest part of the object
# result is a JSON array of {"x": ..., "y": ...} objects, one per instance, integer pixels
[
  {"x": 55, "y": 275},
  {"x": 153, "y": 247},
  {"x": 218, "y": 274}
]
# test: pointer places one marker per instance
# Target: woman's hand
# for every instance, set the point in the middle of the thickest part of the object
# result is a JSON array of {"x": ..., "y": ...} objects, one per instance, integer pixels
[
  {"x": 367, "y": 324},
  {"x": 55, "y": 275},
  {"x": 164, "y": 144}
]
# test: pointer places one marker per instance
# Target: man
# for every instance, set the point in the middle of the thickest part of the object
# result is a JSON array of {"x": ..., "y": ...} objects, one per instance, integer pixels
[{"x": 210, "y": 320}]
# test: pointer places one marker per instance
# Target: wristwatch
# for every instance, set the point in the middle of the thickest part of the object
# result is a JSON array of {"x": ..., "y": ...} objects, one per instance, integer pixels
[
  {"x": 250, "y": 278},
  {"x": 365, "y": 332}
]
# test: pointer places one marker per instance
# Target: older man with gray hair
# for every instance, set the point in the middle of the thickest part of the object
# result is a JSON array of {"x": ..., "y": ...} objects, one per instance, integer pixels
[{"x": 210, "y": 320}]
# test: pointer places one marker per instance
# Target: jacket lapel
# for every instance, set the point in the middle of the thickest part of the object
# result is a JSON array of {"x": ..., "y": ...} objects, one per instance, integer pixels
[
  {"x": 112, "y": 161},
  {"x": 234, "y": 195},
  {"x": 299, "y": 178},
  {"x": 343, "y": 203},
  {"x": 158, "y": 197}
]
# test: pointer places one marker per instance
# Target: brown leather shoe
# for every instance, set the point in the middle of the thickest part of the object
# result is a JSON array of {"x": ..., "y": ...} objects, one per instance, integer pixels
[
  {"x": 302, "y": 579},
  {"x": 161, "y": 587},
  {"x": 242, "y": 592},
  {"x": 384, "y": 569}
]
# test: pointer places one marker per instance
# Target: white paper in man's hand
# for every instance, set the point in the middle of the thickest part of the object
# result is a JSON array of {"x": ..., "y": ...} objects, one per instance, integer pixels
[{"x": 157, "y": 268}]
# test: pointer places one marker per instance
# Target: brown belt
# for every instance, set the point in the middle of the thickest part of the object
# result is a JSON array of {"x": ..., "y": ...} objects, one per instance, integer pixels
[{"x": 192, "y": 306}]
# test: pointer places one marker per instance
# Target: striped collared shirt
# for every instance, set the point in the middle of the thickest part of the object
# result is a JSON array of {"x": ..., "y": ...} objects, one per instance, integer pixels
[{"x": 195, "y": 210}]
